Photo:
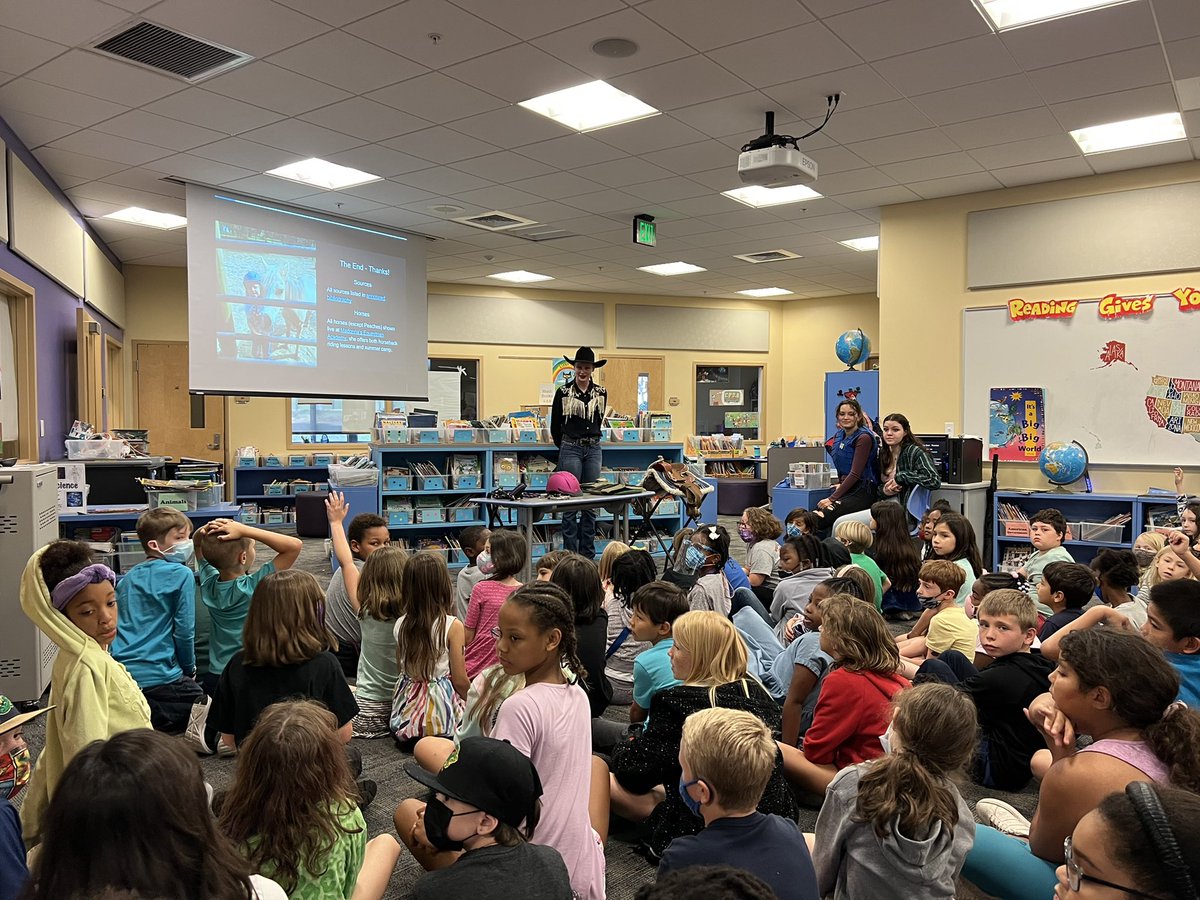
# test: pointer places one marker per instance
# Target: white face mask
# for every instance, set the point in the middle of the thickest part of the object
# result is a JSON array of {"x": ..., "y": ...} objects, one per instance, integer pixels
[{"x": 885, "y": 739}]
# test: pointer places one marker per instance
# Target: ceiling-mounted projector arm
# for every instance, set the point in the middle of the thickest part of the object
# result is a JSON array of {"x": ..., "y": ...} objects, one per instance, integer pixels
[{"x": 771, "y": 139}]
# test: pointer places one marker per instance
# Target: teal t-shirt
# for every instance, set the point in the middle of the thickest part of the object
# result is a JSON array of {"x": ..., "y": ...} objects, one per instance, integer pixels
[
  {"x": 1188, "y": 667},
  {"x": 865, "y": 562},
  {"x": 652, "y": 673},
  {"x": 228, "y": 603}
]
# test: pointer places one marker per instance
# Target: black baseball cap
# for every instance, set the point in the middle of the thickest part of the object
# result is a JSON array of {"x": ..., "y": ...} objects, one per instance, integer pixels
[{"x": 490, "y": 775}]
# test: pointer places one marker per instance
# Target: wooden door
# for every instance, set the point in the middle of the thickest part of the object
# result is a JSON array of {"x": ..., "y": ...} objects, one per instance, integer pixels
[
  {"x": 166, "y": 409},
  {"x": 621, "y": 379}
]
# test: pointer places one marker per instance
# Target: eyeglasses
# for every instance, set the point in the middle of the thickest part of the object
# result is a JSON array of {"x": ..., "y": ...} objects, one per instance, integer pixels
[{"x": 1075, "y": 876}]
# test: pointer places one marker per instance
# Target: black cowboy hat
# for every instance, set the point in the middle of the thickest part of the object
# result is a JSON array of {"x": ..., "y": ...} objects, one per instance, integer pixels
[{"x": 585, "y": 355}]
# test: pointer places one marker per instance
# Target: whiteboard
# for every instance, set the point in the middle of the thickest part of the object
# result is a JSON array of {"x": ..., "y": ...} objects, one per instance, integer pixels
[{"x": 1102, "y": 407}]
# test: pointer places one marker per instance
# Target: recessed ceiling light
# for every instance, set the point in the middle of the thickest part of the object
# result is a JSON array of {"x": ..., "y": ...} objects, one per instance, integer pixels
[
  {"x": 765, "y": 292},
  {"x": 614, "y": 48},
  {"x": 1006, "y": 14},
  {"x": 135, "y": 215},
  {"x": 862, "y": 243},
  {"x": 590, "y": 106},
  {"x": 325, "y": 175},
  {"x": 521, "y": 276},
  {"x": 674, "y": 268},
  {"x": 1130, "y": 133},
  {"x": 757, "y": 196}
]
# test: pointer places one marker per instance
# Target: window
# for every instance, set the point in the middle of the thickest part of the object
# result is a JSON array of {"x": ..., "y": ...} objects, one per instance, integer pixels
[{"x": 728, "y": 400}]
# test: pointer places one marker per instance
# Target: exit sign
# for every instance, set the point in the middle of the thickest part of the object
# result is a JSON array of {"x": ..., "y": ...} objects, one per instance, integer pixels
[{"x": 645, "y": 231}]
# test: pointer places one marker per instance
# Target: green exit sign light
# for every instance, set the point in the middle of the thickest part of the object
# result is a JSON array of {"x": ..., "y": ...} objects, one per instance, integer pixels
[{"x": 645, "y": 231}]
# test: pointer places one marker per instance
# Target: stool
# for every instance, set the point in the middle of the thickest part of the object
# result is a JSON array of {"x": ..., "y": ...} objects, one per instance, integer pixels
[
  {"x": 735, "y": 495},
  {"x": 311, "y": 518}
]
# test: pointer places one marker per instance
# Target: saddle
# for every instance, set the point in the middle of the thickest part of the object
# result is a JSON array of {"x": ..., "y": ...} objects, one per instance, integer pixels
[{"x": 678, "y": 480}]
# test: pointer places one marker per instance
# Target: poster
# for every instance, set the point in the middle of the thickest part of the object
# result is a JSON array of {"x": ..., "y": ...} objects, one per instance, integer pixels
[
  {"x": 712, "y": 374},
  {"x": 726, "y": 398},
  {"x": 561, "y": 370},
  {"x": 1017, "y": 423},
  {"x": 741, "y": 420}
]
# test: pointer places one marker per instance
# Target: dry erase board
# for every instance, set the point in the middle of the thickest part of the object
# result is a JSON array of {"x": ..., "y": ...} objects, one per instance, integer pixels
[{"x": 1110, "y": 406}]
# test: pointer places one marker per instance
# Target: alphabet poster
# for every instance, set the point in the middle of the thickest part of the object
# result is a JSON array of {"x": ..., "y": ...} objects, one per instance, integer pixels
[{"x": 1017, "y": 423}]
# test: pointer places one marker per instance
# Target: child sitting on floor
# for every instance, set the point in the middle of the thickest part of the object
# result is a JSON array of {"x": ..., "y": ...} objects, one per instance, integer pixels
[
  {"x": 858, "y": 540},
  {"x": 1066, "y": 589},
  {"x": 656, "y": 606},
  {"x": 939, "y": 582}
]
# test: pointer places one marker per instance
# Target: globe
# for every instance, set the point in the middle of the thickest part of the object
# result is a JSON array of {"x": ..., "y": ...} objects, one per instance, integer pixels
[
  {"x": 853, "y": 347},
  {"x": 1063, "y": 462}
]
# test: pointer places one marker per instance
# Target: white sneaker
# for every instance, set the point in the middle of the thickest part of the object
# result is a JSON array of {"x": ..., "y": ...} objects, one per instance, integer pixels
[
  {"x": 197, "y": 720},
  {"x": 1002, "y": 817}
]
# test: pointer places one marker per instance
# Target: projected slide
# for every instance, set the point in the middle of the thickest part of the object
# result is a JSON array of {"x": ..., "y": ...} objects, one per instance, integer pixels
[{"x": 284, "y": 301}]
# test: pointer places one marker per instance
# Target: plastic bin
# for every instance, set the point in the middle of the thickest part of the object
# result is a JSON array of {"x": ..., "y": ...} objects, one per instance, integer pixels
[
  {"x": 97, "y": 449},
  {"x": 211, "y": 496},
  {"x": 660, "y": 435},
  {"x": 431, "y": 482},
  {"x": 297, "y": 459},
  {"x": 461, "y": 435},
  {"x": 246, "y": 462},
  {"x": 129, "y": 554},
  {"x": 426, "y": 514},
  {"x": 1099, "y": 532},
  {"x": 273, "y": 461},
  {"x": 399, "y": 516},
  {"x": 183, "y": 500},
  {"x": 465, "y": 482},
  {"x": 322, "y": 459},
  {"x": 529, "y": 435},
  {"x": 498, "y": 435},
  {"x": 462, "y": 513},
  {"x": 398, "y": 482},
  {"x": 537, "y": 481},
  {"x": 425, "y": 435}
]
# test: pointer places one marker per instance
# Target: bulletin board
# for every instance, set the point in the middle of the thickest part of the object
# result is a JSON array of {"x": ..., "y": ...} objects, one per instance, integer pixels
[{"x": 1103, "y": 378}]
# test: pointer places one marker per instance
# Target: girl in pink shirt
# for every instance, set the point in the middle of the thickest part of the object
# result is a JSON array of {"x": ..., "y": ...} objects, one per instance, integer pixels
[{"x": 502, "y": 558}]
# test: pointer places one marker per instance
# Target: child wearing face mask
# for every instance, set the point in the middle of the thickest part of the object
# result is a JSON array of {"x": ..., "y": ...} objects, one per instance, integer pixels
[
  {"x": 1145, "y": 547},
  {"x": 14, "y": 775},
  {"x": 501, "y": 559},
  {"x": 156, "y": 627},
  {"x": 803, "y": 559},
  {"x": 759, "y": 529},
  {"x": 938, "y": 585},
  {"x": 705, "y": 556}
]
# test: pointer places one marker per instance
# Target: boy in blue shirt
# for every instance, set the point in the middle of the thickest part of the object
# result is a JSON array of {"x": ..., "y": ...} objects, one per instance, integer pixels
[
  {"x": 655, "y": 607},
  {"x": 225, "y": 551},
  {"x": 156, "y": 626},
  {"x": 1173, "y": 625},
  {"x": 727, "y": 757}
]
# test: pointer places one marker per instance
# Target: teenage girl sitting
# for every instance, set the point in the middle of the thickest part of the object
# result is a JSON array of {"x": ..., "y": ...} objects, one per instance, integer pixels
[
  {"x": 854, "y": 452},
  {"x": 895, "y": 553}
]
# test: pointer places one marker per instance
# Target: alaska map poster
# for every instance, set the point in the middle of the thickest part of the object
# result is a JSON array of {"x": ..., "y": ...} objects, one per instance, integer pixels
[{"x": 1017, "y": 423}]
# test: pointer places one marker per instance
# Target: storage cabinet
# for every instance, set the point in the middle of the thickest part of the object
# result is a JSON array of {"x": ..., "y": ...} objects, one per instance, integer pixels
[{"x": 1085, "y": 515}]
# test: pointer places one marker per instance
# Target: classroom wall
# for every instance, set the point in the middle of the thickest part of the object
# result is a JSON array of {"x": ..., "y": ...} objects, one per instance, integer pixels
[{"x": 922, "y": 293}]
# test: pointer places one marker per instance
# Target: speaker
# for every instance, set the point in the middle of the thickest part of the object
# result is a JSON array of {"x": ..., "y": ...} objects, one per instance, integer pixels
[{"x": 959, "y": 460}]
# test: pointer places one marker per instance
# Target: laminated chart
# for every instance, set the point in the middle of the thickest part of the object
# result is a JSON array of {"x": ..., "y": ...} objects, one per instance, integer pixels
[{"x": 1173, "y": 404}]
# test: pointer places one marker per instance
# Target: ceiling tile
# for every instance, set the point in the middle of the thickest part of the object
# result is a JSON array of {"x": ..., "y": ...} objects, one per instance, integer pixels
[
  {"x": 852, "y": 181},
  {"x": 401, "y": 218},
  {"x": 861, "y": 86},
  {"x": 1185, "y": 58},
  {"x": 573, "y": 45},
  {"x": 439, "y": 144},
  {"x": 976, "y": 101},
  {"x": 786, "y": 55},
  {"x": 741, "y": 114},
  {"x": 621, "y": 172},
  {"x": 387, "y": 192},
  {"x": 405, "y": 28},
  {"x": 147, "y": 181},
  {"x": 895, "y": 117},
  {"x": 723, "y": 21},
  {"x": 20, "y": 52},
  {"x": 443, "y": 180},
  {"x": 532, "y": 18},
  {"x": 64, "y": 21},
  {"x": 932, "y": 167},
  {"x": 665, "y": 190},
  {"x": 681, "y": 82},
  {"x": 647, "y": 135},
  {"x": 1178, "y": 18},
  {"x": 247, "y": 154},
  {"x": 1141, "y": 157},
  {"x": 274, "y": 88},
  {"x": 176, "y": 258},
  {"x": 605, "y": 201},
  {"x": 365, "y": 119},
  {"x": 340, "y": 203},
  {"x": 504, "y": 167},
  {"x": 198, "y": 169},
  {"x": 571, "y": 152},
  {"x": 437, "y": 98},
  {"x": 34, "y": 131},
  {"x": 901, "y": 26},
  {"x": 1095, "y": 33},
  {"x": 957, "y": 184},
  {"x": 1018, "y": 153},
  {"x": 110, "y": 147},
  {"x": 510, "y": 126},
  {"x": 339, "y": 13},
  {"x": 269, "y": 186},
  {"x": 122, "y": 196},
  {"x": 347, "y": 62},
  {"x": 1103, "y": 74},
  {"x": 831, "y": 160},
  {"x": 214, "y": 111},
  {"x": 1016, "y": 126},
  {"x": 544, "y": 211},
  {"x": 259, "y": 28},
  {"x": 97, "y": 76},
  {"x": 913, "y": 145},
  {"x": 699, "y": 157},
  {"x": 140, "y": 247},
  {"x": 1039, "y": 172},
  {"x": 303, "y": 138},
  {"x": 498, "y": 196},
  {"x": 556, "y": 185},
  {"x": 1146, "y": 101},
  {"x": 63, "y": 162},
  {"x": 34, "y": 97},
  {"x": 974, "y": 59},
  {"x": 887, "y": 196},
  {"x": 518, "y": 73},
  {"x": 158, "y": 130},
  {"x": 379, "y": 160}
]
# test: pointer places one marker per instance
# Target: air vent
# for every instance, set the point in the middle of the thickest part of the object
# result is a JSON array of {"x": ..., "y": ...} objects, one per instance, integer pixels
[
  {"x": 495, "y": 221},
  {"x": 163, "y": 50},
  {"x": 767, "y": 256},
  {"x": 542, "y": 233}
]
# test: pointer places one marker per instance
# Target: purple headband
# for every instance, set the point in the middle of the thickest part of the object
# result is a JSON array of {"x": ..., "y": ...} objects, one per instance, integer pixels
[{"x": 64, "y": 592}]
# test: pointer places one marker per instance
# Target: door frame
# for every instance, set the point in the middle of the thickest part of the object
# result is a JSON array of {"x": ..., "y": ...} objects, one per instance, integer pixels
[
  {"x": 115, "y": 399},
  {"x": 21, "y": 301}
]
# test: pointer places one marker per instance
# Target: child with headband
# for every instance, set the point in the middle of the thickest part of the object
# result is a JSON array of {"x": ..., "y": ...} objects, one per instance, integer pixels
[{"x": 73, "y": 600}]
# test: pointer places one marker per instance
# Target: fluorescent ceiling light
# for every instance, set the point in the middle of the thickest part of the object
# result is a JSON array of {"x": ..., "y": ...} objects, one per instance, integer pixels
[
  {"x": 325, "y": 175},
  {"x": 757, "y": 196},
  {"x": 1006, "y": 14},
  {"x": 521, "y": 276},
  {"x": 1130, "y": 133},
  {"x": 675, "y": 268},
  {"x": 590, "y": 106},
  {"x": 765, "y": 292},
  {"x": 863, "y": 243},
  {"x": 135, "y": 215}
]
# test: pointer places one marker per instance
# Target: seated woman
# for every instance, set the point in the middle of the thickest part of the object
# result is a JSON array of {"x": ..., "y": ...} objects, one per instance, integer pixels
[
  {"x": 1117, "y": 688},
  {"x": 709, "y": 658},
  {"x": 854, "y": 453}
]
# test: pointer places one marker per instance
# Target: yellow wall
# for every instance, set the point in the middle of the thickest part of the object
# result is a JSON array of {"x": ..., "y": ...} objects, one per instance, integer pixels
[
  {"x": 922, "y": 293},
  {"x": 802, "y": 333}
]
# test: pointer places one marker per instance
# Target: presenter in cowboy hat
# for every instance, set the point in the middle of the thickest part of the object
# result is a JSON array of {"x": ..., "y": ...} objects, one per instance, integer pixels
[{"x": 575, "y": 420}]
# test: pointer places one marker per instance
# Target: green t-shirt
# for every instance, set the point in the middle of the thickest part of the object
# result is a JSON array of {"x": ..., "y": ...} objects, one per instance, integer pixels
[
  {"x": 341, "y": 867},
  {"x": 865, "y": 562}
]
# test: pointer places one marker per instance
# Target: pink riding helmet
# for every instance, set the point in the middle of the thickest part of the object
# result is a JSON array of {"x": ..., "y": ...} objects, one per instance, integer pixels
[{"x": 562, "y": 483}]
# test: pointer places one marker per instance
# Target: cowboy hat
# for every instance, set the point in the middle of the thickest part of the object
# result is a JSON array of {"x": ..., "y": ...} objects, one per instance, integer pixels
[{"x": 585, "y": 355}]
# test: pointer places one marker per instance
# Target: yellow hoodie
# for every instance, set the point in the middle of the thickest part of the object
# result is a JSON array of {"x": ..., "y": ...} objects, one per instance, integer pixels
[{"x": 93, "y": 697}]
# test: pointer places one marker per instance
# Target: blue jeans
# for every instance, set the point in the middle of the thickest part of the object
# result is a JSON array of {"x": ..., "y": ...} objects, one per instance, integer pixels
[{"x": 579, "y": 528}]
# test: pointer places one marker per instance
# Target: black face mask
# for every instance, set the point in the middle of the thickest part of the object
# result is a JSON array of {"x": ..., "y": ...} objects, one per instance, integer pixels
[{"x": 437, "y": 824}]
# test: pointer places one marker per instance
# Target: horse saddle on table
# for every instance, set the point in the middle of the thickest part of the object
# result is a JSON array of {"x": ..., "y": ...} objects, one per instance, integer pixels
[{"x": 676, "y": 479}]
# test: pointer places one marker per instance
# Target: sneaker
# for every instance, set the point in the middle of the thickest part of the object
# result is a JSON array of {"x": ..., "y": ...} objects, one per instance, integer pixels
[
  {"x": 193, "y": 735},
  {"x": 1002, "y": 817},
  {"x": 366, "y": 792},
  {"x": 224, "y": 751}
]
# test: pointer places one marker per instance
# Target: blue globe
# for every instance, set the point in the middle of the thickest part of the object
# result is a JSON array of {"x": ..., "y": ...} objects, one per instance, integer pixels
[
  {"x": 853, "y": 347},
  {"x": 1063, "y": 463}
]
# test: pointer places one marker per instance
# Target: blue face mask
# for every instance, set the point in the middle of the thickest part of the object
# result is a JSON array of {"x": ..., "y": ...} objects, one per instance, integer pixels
[
  {"x": 692, "y": 805},
  {"x": 793, "y": 530},
  {"x": 180, "y": 552},
  {"x": 694, "y": 558}
]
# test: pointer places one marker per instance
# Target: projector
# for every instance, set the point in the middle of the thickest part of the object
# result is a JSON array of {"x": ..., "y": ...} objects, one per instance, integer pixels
[{"x": 776, "y": 166}]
